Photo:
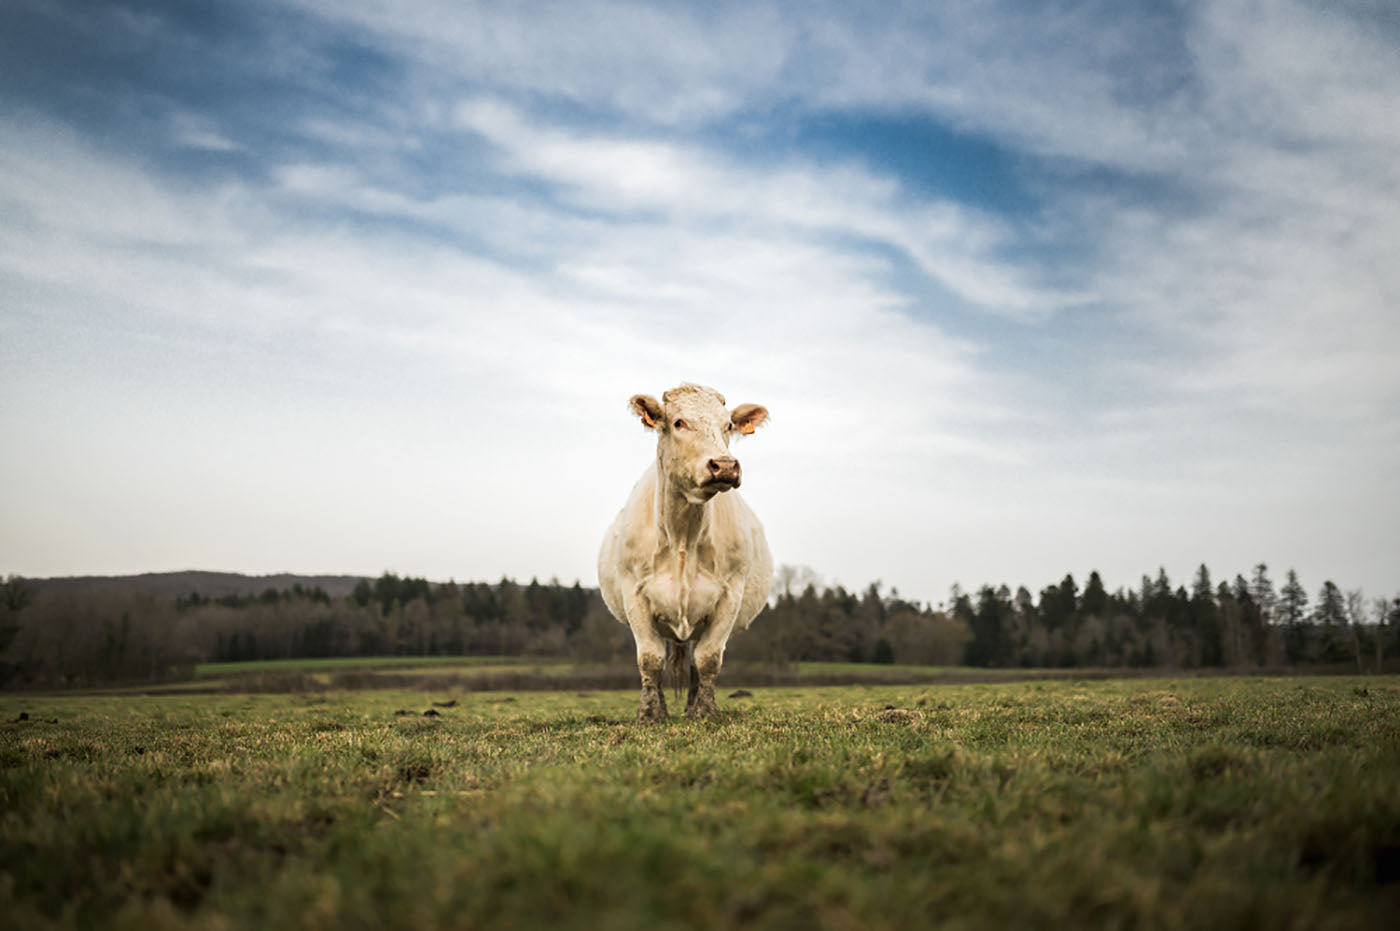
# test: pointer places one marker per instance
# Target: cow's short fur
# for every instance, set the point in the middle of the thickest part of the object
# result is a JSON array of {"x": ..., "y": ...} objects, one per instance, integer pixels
[{"x": 686, "y": 561}]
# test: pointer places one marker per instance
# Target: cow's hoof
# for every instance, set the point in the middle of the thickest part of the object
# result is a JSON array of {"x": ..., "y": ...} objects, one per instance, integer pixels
[
  {"x": 652, "y": 709},
  {"x": 702, "y": 710}
]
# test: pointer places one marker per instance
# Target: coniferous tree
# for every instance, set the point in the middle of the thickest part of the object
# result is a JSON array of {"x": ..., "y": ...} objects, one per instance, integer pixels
[
  {"x": 1030, "y": 633},
  {"x": 1094, "y": 602},
  {"x": 990, "y": 645},
  {"x": 1331, "y": 606},
  {"x": 1292, "y": 612},
  {"x": 1293, "y": 601},
  {"x": 1261, "y": 589},
  {"x": 1201, "y": 589},
  {"x": 1233, "y": 624},
  {"x": 1205, "y": 620},
  {"x": 1330, "y": 614}
]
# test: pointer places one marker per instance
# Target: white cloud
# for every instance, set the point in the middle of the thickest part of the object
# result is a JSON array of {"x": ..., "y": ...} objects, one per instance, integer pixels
[
  {"x": 419, "y": 386},
  {"x": 430, "y": 375},
  {"x": 954, "y": 245},
  {"x": 672, "y": 64},
  {"x": 199, "y": 132}
]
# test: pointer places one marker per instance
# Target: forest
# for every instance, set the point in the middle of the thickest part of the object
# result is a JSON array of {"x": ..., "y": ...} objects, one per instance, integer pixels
[{"x": 52, "y": 636}]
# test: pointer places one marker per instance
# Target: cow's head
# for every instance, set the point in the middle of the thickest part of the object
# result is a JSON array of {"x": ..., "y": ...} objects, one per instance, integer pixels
[{"x": 693, "y": 430}]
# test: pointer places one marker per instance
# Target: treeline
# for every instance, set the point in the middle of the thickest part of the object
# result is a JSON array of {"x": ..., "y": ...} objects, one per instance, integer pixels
[
  {"x": 1236, "y": 624},
  {"x": 84, "y": 638},
  {"x": 75, "y": 638}
]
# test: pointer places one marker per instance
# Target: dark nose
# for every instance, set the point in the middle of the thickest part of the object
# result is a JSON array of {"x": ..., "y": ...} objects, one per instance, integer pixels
[{"x": 724, "y": 469}]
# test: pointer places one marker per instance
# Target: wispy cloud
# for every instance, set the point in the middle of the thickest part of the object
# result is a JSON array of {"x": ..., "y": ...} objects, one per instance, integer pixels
[
  {"x": 951, "y": 243},
  {"x": 197, "y": 132},
  {"x": 451, "y": 240}
]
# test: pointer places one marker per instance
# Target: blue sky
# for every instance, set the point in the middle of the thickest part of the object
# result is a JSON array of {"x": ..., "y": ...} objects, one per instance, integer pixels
[{"x": 1029, "y": 289}]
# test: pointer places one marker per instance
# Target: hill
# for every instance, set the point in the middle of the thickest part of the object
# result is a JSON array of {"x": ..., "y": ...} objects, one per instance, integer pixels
[{"x": 209, "y": 584}]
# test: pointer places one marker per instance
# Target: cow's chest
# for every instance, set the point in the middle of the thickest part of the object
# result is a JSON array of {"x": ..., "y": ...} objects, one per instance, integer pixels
[{"x": 682, "y": 598}]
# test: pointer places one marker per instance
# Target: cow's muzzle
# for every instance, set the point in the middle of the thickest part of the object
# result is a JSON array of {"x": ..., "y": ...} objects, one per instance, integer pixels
[{"x": 723, "y": 470}]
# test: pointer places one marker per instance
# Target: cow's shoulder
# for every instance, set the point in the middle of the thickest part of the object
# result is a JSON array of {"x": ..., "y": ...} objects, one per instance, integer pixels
[
  {"x": 635, "y": 531},
  {"x": 732, "y": 526}
]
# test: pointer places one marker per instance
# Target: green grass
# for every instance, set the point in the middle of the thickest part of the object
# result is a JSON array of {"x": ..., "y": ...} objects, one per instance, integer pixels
[
  {"x": 877, "y": 669},
  {"x": 440, "y": 663},
  {"x": 973, "y": 673},
  {"x": 1148, "y": 804},
  {"x": 428, "y": 663}
]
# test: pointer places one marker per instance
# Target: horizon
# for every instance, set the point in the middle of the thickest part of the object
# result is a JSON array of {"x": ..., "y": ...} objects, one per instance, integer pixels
[
  {"x": 803, "y": 577},
  {"x": 1027, "y": 291}
]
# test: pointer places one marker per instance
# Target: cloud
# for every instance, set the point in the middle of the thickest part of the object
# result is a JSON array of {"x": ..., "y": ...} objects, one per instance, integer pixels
[
  {"x": 1274, "y": 295},
  {"x": 199, "y": 132},
  {"x": 288, "y": 327},
  {"x": 672, "y": 65},
  {"x": 951, "y": 243},
  {"x": 408, "y": 263}
]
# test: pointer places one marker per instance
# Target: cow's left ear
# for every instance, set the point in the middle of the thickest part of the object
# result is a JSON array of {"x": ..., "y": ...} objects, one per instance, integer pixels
[
  {"x": 646, "y": 407},
  {"x": 748, "y": 417}
]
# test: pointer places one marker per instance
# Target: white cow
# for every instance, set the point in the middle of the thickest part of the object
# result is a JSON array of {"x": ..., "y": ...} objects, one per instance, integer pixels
[{"x": 685, "y": 563}]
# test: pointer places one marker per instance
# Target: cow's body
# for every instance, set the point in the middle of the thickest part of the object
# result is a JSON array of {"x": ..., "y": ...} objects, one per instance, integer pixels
[{"x": 686, "y": 560}]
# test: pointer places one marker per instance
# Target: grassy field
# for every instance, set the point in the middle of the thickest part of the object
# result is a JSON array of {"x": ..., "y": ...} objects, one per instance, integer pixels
[
  {"x": 426, "y": 663},
  {"x": 520, "y": 673},
  {"x": 1270, "y": 803},
  {"x": 430, "y": 664}
]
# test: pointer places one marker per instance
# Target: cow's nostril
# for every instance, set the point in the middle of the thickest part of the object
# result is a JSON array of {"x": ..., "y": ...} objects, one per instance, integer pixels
[{"x": 724, "y": 465}]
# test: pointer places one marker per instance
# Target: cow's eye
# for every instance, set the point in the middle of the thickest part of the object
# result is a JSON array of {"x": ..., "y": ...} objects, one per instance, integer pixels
[{"x": 679, "y": 424}]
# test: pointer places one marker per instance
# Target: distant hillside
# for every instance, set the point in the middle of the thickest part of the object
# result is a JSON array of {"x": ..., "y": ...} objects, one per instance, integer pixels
[{"x": 209, "y": 584}]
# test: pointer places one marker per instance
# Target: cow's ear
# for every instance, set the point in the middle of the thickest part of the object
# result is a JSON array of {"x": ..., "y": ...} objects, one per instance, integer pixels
[
  {"x": 748, "y": 417},
  {"x": 647, "y": 408}
]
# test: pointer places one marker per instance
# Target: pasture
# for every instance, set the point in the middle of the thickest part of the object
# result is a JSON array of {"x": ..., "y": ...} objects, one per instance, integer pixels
[{"x": 1156, "y": 803}]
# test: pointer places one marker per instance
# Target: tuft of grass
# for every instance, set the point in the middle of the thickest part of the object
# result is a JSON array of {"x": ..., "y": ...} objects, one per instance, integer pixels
[{"x": 1145, "y": 803}]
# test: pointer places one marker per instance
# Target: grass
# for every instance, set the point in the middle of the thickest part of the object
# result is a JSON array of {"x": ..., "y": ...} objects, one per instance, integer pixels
[
  {"x": 877, "y": 669},
  {"x": 330, "y": 664},
  {"x": 971, "y": 673},
  {"x": 514, "y": 673},
  {"x": 1146, "y": 803},
  {"x": 488, "y": 673}
]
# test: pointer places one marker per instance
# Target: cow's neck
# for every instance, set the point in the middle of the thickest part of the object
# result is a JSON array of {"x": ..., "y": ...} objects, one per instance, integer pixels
[
  {"x": 681, "y": 524},
  {"x": 681, "y": 521}
]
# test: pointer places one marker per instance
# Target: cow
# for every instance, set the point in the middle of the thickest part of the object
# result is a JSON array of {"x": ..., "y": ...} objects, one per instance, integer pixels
[{"x": 685, "y": 562}]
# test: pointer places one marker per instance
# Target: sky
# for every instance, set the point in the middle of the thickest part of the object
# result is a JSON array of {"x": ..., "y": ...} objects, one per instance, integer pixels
[{"x": 348, "y": 286}]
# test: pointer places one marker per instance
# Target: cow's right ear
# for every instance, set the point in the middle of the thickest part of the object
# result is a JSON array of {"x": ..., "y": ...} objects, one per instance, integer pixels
[{"x": 647, "y": 408}]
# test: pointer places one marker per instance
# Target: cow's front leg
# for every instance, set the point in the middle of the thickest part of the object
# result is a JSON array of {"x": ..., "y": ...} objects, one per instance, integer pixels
[
  {"x": 652, "y": 707},
  {"x": 709, "y": 656},
  {"x": 651, "y": 657}
]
